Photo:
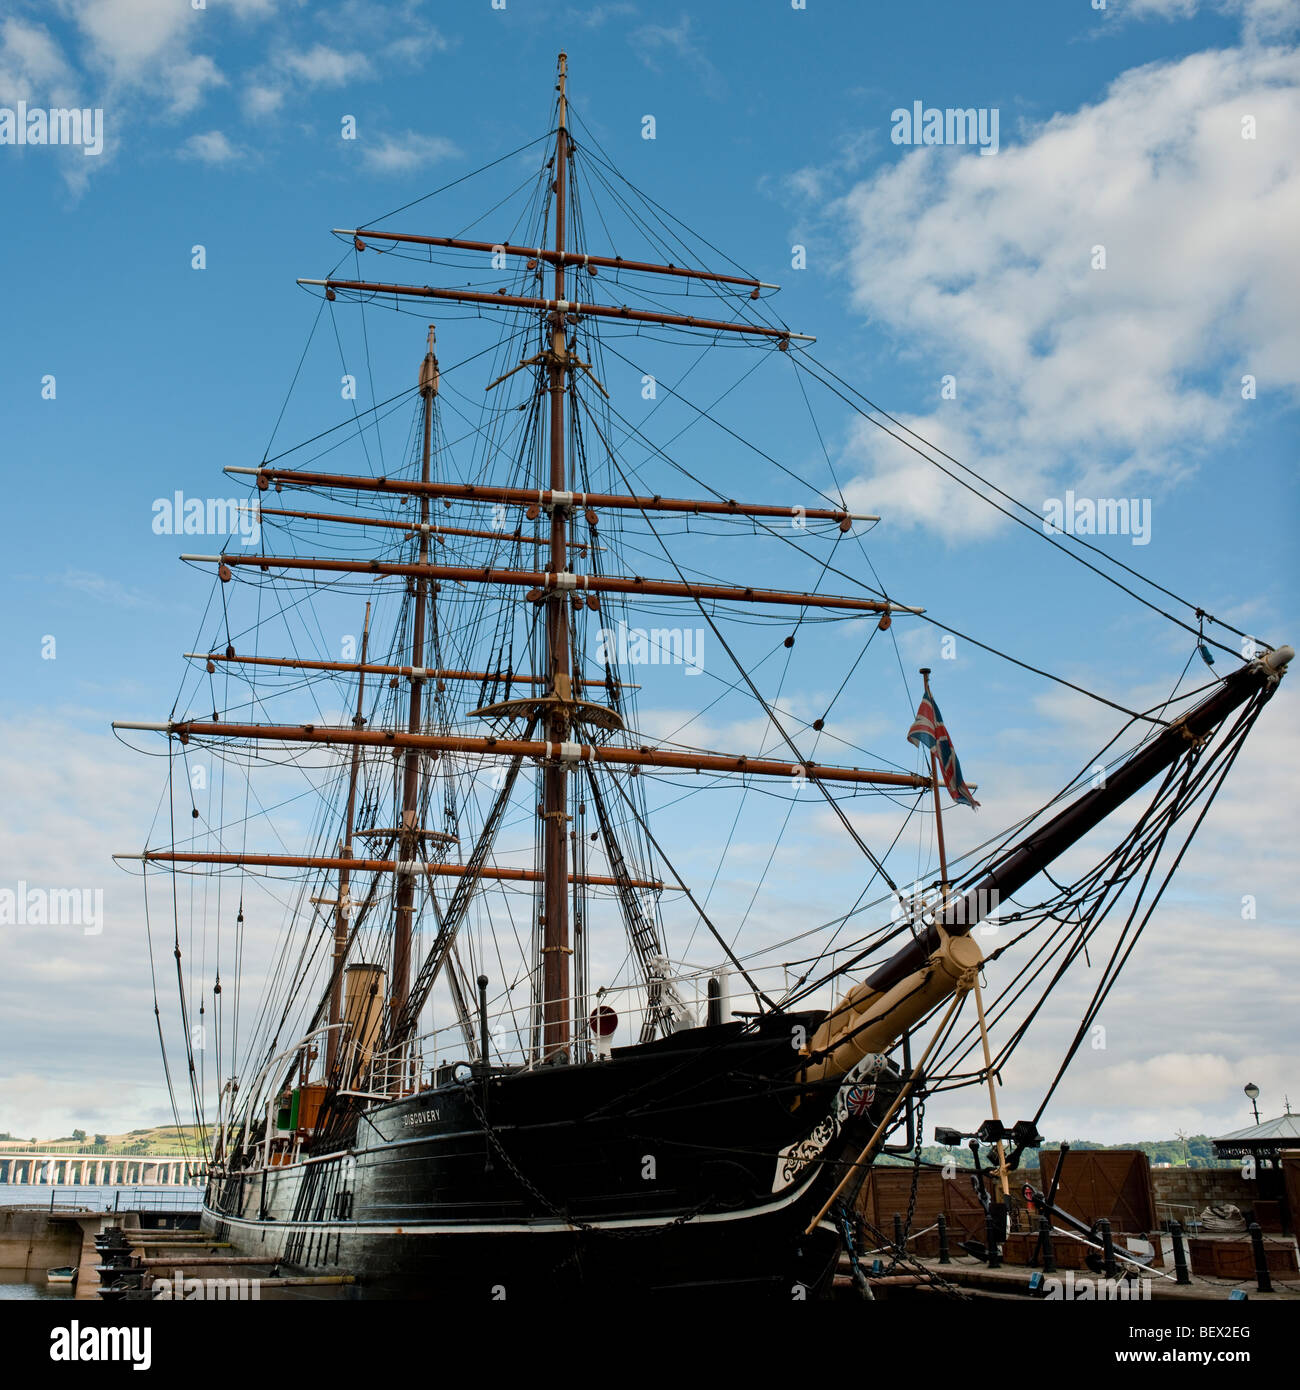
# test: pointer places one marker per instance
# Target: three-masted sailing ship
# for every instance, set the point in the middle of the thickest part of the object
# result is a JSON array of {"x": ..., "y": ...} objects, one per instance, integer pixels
[{"x": 427, "y": 1127}]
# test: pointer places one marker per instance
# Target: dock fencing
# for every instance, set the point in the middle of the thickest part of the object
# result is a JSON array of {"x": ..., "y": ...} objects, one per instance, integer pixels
[{"x": 184, "y": 1199}]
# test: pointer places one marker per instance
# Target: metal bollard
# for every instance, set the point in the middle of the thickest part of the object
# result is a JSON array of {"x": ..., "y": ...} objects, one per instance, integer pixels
[
  {"x": 1045, "y": 1245},
  {"x": 1262, "y": 1278},
  {"x": 944, "y": 1257},
  {"x": 991, "y": 1240},
  {"x": 1181, "y": 1276},
  {"x": 1108, "y": 1264}
]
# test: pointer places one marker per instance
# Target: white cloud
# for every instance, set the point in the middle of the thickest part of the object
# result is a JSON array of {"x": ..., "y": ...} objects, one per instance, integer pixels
[
  {"x": 34, "y": 69},
  {"x": 145, "y": 46},
  {"x": 399, "y": 154},
  {"x": 100, "y": 586},
  {"x": 1158, "y": 9},
  {"x": 811, "y": 184},
  {"x": 210, "y": 148},
  {"x": 676, "y": 44},
  {"x": 597, "y": 16},
  {"x": 130, "y": 37},
  {"x": 1261, "y": 19},
  {"x": 32, "y": 66},
  {"x": 137, "y": 59},
  {"x": 364, "y": 39},
  {"x": 188, "y": 81},
  {"x": 982, "y": 267},
  {"x": 246, "y": 9},
  {"x": 320, "y": 66},
  {"x": 261, "y": 99},
  {"x": 415, "y": 47}
]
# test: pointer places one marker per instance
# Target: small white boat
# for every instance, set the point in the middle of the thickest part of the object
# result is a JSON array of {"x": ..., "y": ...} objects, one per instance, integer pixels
[{"x": 64, "y": 1274}]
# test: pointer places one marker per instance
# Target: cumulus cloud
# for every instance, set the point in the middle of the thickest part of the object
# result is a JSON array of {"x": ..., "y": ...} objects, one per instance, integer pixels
[
  {"x": 32, "y": 64},
  {"x": 262, "y": 99},
  {"x": 399, "y": 154},
  {"x": 1260, "y": 18},
  {"x": 128, "y": 37},
  {"x": 596, "y": 16},
  {"x": 138, "y": 60},
  {"x": 146, "y": 46},
  {"x": 416, "y": 47},
  {"x": 983, "y": 268},
  {"x": 322, "y": 66},
  {"x": 677, "y": 44},
  {"x": 246, "y": 9},
  {"x": 33, "y": 68},
  {"x": 211, "y": 147}
]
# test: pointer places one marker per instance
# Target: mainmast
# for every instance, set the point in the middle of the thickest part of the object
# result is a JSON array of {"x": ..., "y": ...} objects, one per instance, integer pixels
[
  {"x": 554, "y": 717},
  {"x": 409, "y": 835},
  {"x": 554, "y": 897}
]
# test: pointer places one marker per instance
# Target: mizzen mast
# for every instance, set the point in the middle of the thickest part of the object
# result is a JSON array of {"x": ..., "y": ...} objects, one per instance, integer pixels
[{"x": 343, "y": 904}]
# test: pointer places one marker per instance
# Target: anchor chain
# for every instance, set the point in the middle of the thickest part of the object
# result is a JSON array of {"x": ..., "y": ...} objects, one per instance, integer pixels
[{"x": 900, "y": 1248}]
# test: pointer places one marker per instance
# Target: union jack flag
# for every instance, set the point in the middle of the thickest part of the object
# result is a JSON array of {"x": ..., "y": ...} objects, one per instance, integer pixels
[
  {"x": 928, "y": 731},
  {"x": 859, "y": 1099}
]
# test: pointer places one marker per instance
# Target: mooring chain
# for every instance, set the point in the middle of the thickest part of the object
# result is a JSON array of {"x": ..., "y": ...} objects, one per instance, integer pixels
[
  {"x": 900, "y": 1245},
  {"x": 900, "y": 1254},
  {"x": 917, "y": 1266},
  {"x": 850, "y": 1245}
]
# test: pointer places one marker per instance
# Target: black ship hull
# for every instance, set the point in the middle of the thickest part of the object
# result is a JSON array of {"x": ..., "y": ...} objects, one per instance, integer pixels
[{"x": 691, "y": 1166}]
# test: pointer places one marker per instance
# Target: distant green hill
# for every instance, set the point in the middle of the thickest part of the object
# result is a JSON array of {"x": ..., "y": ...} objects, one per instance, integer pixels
[{"x": 163, "y": 1139}]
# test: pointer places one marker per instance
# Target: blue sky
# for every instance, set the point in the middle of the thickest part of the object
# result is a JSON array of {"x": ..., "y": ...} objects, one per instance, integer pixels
[{"x": 1120, "y": 128}]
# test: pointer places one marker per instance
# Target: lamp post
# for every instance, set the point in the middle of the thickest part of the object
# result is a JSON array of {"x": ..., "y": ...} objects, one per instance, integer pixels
[{"x": 1252, "y": 1091}]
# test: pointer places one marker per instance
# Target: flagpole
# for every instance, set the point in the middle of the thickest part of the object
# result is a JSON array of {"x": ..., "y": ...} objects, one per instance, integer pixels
[
  {"x": 979, "y": 999},
  {"x": 938, "y": 809}
]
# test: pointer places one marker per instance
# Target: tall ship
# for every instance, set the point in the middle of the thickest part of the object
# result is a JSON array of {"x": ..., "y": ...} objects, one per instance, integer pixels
[{"x": 453, "y": 1012}]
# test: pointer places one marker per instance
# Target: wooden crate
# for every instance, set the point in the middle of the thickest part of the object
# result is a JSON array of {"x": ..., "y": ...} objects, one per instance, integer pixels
[
  {"x": 1067, "y": 1253},
  {"x": 887, "y": 1191},
  {"x": 1109, "y": 1184},
  {"x": 1235, "y": 1259}
]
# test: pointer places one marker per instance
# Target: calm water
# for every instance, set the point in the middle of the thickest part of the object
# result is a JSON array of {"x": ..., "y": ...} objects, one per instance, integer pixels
[
  {"x": 15, "y": 1286},
  {"x": 12, "y": 1287}
]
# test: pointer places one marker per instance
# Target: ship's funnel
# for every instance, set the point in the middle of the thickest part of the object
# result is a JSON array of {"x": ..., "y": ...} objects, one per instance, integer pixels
[{"x": 363, "y": 1011}]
